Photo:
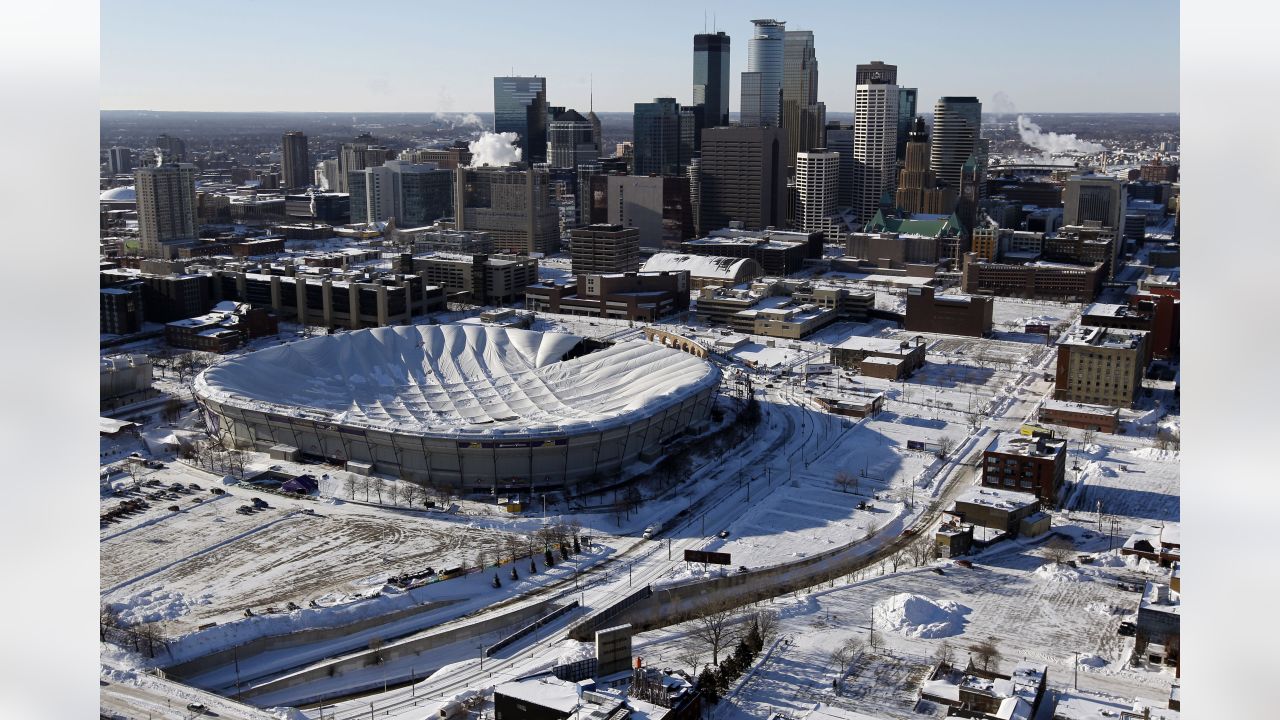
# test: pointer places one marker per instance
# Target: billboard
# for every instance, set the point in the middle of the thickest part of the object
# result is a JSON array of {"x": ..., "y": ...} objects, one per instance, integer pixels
[{"x": 703, "y": 556}]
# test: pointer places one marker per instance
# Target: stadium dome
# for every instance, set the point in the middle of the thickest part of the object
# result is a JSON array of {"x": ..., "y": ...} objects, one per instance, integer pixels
[
  {"x": 464, "y": 405},
  {"x": 122, "y": 194}
]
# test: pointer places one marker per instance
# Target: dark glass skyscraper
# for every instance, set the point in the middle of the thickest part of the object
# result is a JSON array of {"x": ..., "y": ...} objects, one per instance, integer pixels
[
  {"x": 957, "y": 124},
  {"x": 664, "y": 137},
  {"x": 711, "y": 78},
  {"x": 803, "y": 117},
  {"x": 906, "y": 111},
  {"x": 520, "y": 106},
  {"x": 295, "y": 161}
]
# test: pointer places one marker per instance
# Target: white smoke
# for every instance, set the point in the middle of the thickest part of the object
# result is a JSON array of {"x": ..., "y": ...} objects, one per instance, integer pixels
[
  {"x": 496, "y": 149},
  {"x": 456, "y": 120},
  {"x": 1052, "y": 142},
  {"x": 1001, "y": 104}
]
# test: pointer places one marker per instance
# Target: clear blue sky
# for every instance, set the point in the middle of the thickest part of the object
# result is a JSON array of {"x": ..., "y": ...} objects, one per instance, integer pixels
[{"x": 394, "y": 55}]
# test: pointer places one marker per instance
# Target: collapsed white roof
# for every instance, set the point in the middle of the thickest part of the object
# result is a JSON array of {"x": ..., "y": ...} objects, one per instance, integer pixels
[
  {"x": 458, "y": 380},
  {"x": 699, "y": 266}
]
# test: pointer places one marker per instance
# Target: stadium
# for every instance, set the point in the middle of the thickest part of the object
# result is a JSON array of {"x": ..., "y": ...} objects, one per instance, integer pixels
[{"x": 470, "y": 407}]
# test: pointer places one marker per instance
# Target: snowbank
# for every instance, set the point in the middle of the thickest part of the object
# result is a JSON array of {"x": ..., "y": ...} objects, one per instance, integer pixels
[
  {"x": 1057, "y": 572},
  {"x": 920, "y": 617}
]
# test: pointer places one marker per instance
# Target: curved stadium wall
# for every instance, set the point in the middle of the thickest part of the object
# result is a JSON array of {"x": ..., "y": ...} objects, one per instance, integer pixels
[{"x": 465, "y": 406}]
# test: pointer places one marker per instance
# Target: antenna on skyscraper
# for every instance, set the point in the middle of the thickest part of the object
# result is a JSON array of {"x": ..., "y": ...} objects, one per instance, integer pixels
[
  {"x": 591, "y": 93},
  {"x": 704, "y": 21}
]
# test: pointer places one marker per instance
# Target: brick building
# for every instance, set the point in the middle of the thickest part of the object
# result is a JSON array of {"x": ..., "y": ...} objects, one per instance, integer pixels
[
  {"x": 778, "y": 252},
  {"x": 1100, "y": 365},
  {"x": 879, "y": 357},
  {"x": 603, "y": 248},
  {"x": 627, "y": 296},
  {"x": 949, "y": 314},
  {"x": 1080, "y": 415},
  {"x": 478, "y": 279},
  {"x": 1028, "y": 464},
  {"x": 1041, "y": 280}
]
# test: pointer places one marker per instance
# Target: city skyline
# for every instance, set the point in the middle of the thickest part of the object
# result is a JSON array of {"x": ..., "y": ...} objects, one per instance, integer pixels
[{"x": 1009, "y": 67}]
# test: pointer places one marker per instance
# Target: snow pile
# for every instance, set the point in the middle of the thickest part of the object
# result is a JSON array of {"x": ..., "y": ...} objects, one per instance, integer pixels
[
  {"x": 1057, "y": 572},
  {"x": 287, "y": 713},
  {"x": 575, "y": 651},
  {"x": 1150, "y": 453},
  {"x": 157, "y": 605},
  {"x": 918, "y": 616},
  {"x": 1116, "y": 559}
]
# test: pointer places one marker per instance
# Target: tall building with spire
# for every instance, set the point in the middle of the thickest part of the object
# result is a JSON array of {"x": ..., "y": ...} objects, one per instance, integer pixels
[
  {"x": 596, "y": 131},
  {"x": 803, "y": 117},
  {"x": 875, "y": 134},
  {"x": 711, "y": 79},
  {"x": 918, "y": 187},
  {"x": 761, "y": 97}
]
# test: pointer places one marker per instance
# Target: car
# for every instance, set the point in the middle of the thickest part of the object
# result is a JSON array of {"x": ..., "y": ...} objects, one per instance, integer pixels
[
  {"x": 724, "y": 533},
  {"x": 1128, "y": 629},
  {"x": 276, "y": 468},
  {"x": 260, "y": 503},
  {"x": 742, "y": 568},
  {"x": 194, "y": 486},
  {"x": 197, "y": 708},
  {"x": 964, "y": 563},
  {"x": 217, "y": 491},
  {"x": 649, "y": 532},
  {"x": 174, "y": 508}
]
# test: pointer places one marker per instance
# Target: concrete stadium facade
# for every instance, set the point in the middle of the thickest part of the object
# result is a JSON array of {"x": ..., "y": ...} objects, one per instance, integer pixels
[{"x": 592, "y": 434}]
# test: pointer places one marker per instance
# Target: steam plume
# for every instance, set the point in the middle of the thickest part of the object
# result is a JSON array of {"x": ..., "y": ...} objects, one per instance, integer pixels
[
  {"x": 1052, "y": 142},
  {"x": 494, "y": 149}
]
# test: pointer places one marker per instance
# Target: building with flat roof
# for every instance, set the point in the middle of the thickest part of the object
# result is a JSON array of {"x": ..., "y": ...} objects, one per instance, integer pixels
[
  {"x": 742, "y": 177},
  {"x": 512, "y": 205},
  {"x": 520, "y": 106},
  {"x": 948, "y": 314},
  {"x": 478, "y": 279},
  {"x": 778, "y": 252},
  {"x": 1037, "y": 279},
  {"x": 626, "y": 296},
  {"x": 880, "y": 357},
  {"x": 166, "y": 198},
  {"x": 990, "y": 507},
  {"x": 1099, "y": 365},
  {"x": 659, "y": 207},
  {"x": 1036, "y": 465},
  {"x": 598, "y": 249},
  {"x": 894, "y": 241},
  {"x": 1084, "y": 416}
]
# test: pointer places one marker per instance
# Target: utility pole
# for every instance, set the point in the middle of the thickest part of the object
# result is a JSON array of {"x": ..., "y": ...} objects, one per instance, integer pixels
[{"x": 1076, "y": 680}]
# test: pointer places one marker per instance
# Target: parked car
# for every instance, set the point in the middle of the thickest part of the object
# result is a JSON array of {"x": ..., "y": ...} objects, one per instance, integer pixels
[
  {"x": 260, "y": 503},
  {"x": 1128, "y": 629},
  {"x": 197, "y": 708},
  {"x": 217, "y": 491},
  {"x": 649, "y": 532},
  {"x": 174, "y": 508},
  {"x": 724, "y": 533},
  {"x": 194, "y": 486},
  {"x": 964, "y": 563}
]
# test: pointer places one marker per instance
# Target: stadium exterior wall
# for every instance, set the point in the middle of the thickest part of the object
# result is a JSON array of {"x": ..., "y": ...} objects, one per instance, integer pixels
[{"x": 537, "y": 462}]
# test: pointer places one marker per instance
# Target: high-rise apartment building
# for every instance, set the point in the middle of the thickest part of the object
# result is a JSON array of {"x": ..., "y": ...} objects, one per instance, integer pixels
[
  {"x": 918, "y": 187},
  {"x": 362, "y": 153},
  {"x": 743, "y": 177},
  {"x": 327, "y": 175},
  {"x": 171, "y": 149},
  {"x": 572, "y": 141},
  {"x": 817, "y": 177},
  {"x": 520, "y": 106},
  {"x": 957, "y": 123},
  {"x": 295, "y": 161},
  {"x": 663, "y": 133},
  {"x": 166, "y": 209},
  {"x": 512, "y": 205},
  {"x": 1097, "y": 199},
  {"x": 875, "y": 132},
  {"x": 761, "y": 97},
  {"x": 711, "y": 79},
  {"x": 804, "y": 118},
  {"x": 446, "y": 158},
  {"x": 600, "y": 249},
  {"x": 413, "y": 194},
  {"x": 120, "y": 161},
  {"x": 1102, "y": 366}
]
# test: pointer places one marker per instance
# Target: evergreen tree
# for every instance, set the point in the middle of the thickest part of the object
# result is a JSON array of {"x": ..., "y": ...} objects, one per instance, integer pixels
[
  {"x": 496, "y": 582},
  {"x": 514, "y": 574},
  {"x": 707, "y": 684},
  {"x": 533, "y": 566},
  {"x": 577, "y": 548},
  {"x": 548, "y": 559},
  {"x": 754, "y": 641}
]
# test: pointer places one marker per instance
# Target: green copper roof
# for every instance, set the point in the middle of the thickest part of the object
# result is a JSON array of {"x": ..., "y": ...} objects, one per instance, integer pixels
[{"x": 927, "y": 226}]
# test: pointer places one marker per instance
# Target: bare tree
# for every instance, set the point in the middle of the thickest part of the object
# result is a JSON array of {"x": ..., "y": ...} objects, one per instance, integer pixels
[
  {"x": 350, "y": 483},
  {"x": 691, "y": 654},
  {"x": 986, "y": 653},
  {"x": 133, "y": 466},
  {"x": 1088, "y": 437},
  {"x": 1059, "y": 549},
  {"x": 767, "y": 622},
  {"x": 943, "y": 655},
  {"x": 712, "y": 631},
  {"x": 393, "y": 491},
  {"x": 841, "y": 657},
  {"x": 379, "y": 486},
  {"x": 945, "y": 445},
  {"x": 846, "y": 480},
  {"x": 365, "y": 484}
]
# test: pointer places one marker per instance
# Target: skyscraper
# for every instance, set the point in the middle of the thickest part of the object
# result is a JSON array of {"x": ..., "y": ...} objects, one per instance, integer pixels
[
  {"x": 918, "y": 188},
  {"x": 295, "y": 161},
  {"x": 817, "y": 177},
  {"x": 520, "y": 106},
  {"x": 906, "y": 112},
  {"x": 875, "y": 133},
  {"x": 664, "y": 137},
  {"x": 957, "y": 124},
  {"x": 711, "y": 79},
  {"x": 512, "y": 205},
  {"x": 166, "y": 208},
  {"x": 804, "y": 118},
  {"x": 840, "y": 140},
  {"x": 762, "y": 82},
  {"x": 572, "y": 139},
  {"x": 742, "y": 176},
  {"x": 875, "y": 71},
  {"x": 120, "y": 161}
]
